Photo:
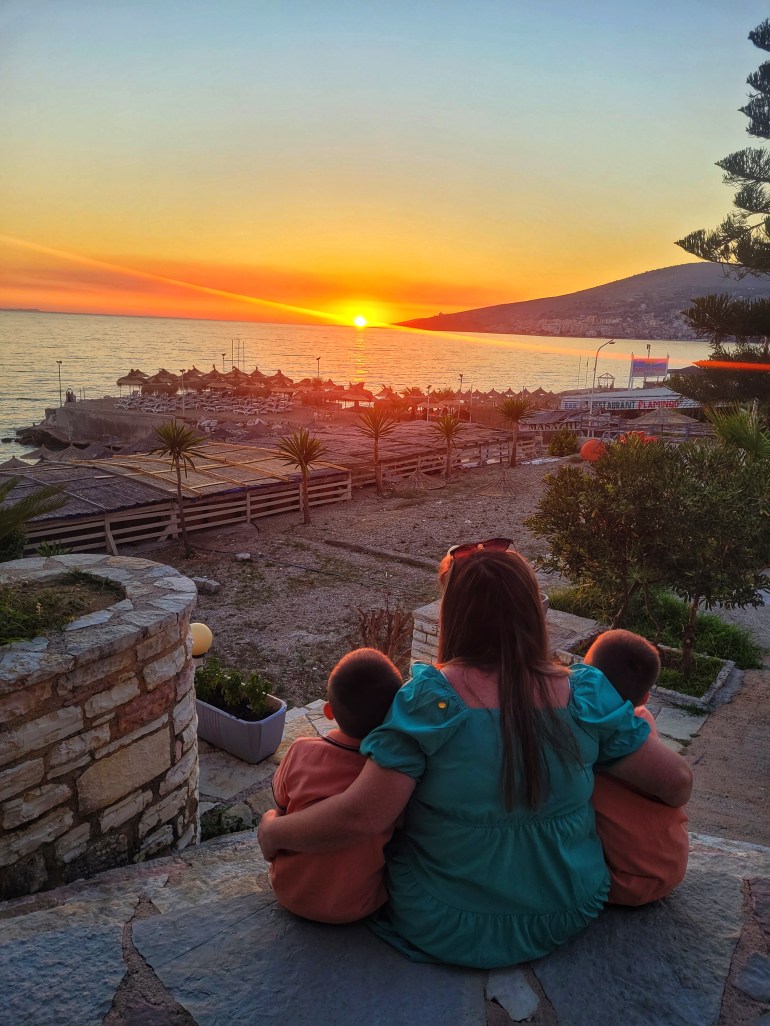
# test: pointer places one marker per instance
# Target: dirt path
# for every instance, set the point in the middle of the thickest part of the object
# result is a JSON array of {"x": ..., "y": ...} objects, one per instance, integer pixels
[{"x": 731, "y": 763}]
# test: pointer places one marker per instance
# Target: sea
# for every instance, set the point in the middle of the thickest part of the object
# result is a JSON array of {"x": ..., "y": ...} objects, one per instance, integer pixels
[{"x": 44, "y": 354}]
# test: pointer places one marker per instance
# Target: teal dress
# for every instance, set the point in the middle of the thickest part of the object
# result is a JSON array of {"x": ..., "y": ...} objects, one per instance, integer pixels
[{"x": 470, "y": 883}]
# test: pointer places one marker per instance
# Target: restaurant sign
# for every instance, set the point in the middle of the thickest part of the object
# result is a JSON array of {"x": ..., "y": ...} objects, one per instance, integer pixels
[{"x": 602, "y": 403}]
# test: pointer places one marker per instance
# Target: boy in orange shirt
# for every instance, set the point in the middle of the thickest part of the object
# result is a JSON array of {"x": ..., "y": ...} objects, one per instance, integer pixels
[
  {"x": 645, "y": 842},
  {"x": 344, "y": 885}
]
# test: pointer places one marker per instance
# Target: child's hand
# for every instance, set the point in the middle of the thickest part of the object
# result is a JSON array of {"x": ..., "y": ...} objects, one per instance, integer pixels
[{"x": 263, "y": 835}]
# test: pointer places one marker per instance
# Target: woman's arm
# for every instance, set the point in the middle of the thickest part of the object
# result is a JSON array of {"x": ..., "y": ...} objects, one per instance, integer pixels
[
  {"x": 657, "y": 771},
  {"x": 370, "y": 805}
]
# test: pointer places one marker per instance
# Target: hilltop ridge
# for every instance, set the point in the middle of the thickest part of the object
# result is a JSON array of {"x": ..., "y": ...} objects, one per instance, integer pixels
[{"x": 647, "y": 305}]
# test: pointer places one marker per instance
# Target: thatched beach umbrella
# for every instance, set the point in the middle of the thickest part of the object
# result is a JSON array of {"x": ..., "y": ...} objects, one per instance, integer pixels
[
  {"x": 132, "y": 379},
  {"x": 279, "y": 380},
  {"x": 664, "y": 419}
]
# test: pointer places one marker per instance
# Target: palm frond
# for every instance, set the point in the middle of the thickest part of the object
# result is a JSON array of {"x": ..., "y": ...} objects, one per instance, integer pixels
[{"x": 14, "y": 516}]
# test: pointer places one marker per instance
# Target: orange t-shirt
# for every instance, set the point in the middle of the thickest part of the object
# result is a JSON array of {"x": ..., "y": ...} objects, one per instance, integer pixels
[
  {"x": 335, "y": 886},
  {"x": 645, "y": 842}
]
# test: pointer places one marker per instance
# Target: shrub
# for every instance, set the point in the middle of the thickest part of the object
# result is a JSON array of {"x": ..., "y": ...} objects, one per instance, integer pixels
[
  {"x": 12, "y": 545},
  {"x": 662, "y": 619},
  {"x": 563, "y": 443},
  {"x": 389, "y": 631},
  {"x": 52, "y": 548},
  {"x": 227, "y": 689},
  {"x": 693, "y": 518}
]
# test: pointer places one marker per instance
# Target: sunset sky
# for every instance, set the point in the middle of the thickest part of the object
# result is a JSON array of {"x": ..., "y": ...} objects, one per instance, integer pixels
[{"x": 320, "y": 159}]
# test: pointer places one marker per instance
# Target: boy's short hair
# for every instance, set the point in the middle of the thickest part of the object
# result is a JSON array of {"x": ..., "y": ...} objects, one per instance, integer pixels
[
  {"x": 361, "y": 689},
  {"x": 628, "y": 661}
]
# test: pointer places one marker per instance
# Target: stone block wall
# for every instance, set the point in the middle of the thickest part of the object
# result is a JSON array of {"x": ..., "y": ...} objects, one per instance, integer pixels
[
  {"x": 564, "y": 630},
  {"x": 425, "y": 634},
  {"x": 98, "y": 729}
]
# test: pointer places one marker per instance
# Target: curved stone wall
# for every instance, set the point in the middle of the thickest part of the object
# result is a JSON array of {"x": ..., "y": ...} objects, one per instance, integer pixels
[{"x": 98, "y": 730}]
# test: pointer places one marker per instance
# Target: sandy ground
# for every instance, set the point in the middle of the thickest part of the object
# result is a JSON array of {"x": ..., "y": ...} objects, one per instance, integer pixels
[{"x": 291, "y": 611}]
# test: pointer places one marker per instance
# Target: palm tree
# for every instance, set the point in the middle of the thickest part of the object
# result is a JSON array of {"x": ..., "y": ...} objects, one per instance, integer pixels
[
  {"x": 414, "y": 397},
  {"x": 448, "y": 427},
  {"x": 743, "y": 428},
  {"x": 180, "y": 443},
  {"x": 15, "y": 516},
  {"x": 514, "y": 409},
  {"x": 376, "y": 424},
  {"x": 302, "y": 450}
]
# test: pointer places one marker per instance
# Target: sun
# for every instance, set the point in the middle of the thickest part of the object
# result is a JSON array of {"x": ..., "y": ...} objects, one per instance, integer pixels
[{"x": 360, "y": 321}]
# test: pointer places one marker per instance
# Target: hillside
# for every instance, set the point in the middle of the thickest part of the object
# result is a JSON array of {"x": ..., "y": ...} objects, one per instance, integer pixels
[{"x": 645, "y": 305}]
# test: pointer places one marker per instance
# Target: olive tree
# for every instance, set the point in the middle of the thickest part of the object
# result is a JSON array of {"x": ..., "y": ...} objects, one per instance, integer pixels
[{"x": 693, "y": 518}]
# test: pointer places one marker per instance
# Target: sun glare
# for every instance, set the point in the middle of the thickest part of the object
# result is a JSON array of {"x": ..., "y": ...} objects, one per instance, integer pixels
[{"x": 360, "y": 321}]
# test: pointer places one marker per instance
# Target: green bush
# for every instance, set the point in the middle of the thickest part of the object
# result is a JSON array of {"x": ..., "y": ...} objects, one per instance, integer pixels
[
  {"x": 563, "y": 443},
  {"x": 662, "y": 622},
  {"x": 227, "y": 689},
  {"x": 693, "y": 519},
  {"x": 12, "y": 546}
]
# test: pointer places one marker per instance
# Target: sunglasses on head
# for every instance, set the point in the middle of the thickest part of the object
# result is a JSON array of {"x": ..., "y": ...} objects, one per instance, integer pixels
[{"x": 493, "y": 544}]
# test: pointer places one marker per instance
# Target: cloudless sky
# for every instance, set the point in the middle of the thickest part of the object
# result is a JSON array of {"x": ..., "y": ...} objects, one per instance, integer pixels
[{"x": 386, "y": 158}]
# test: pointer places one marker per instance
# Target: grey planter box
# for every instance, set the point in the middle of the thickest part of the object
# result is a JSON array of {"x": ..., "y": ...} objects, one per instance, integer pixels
[{"x": 251, "y": 741}]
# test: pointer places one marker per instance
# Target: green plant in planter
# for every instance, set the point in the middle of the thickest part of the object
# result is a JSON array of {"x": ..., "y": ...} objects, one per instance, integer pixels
[{"x": 226, "y": 688}]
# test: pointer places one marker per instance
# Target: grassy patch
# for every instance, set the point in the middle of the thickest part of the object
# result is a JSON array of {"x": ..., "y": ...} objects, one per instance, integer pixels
[
  {"x": 663, "y": 623},
  {"x": 31, "y": 610},
  {"x": 697, "y": 684}
]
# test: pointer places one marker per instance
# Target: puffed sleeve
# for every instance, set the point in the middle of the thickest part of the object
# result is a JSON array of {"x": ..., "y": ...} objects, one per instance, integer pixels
[
  {"x": 425, "y": 714},
  {"x": 601, "y": 712}
]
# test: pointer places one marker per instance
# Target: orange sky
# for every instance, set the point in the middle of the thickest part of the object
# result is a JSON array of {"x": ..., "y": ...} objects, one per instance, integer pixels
[{"x": 312, "y": 162}]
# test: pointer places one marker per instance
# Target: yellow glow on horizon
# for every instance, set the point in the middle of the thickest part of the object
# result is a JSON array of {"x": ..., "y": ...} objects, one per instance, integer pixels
[{"x": 360, "y": 321}]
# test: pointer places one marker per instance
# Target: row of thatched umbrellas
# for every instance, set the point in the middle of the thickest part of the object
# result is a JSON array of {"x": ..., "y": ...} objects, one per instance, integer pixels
[{"x": 355, "y": 392}]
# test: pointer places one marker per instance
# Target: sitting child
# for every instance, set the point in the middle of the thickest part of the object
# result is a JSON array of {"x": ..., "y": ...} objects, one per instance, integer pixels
[
  {"x": 344, "y": 885},
  {"x": 645, "y": 842}
]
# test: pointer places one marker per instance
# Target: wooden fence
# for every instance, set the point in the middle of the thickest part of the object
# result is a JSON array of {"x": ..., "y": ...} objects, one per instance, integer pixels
[{"x": 160, "y": 521}]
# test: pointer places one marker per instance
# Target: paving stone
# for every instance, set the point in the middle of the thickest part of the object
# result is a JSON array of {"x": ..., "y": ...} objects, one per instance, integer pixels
[
  {"x": 678, "y": 724},
  {"x": 509, "y": 988},
  {"x": 672, "y": 743},
  {"x": 90, "y": 620},
  {"x": 667, "y": 962},
  {"x": 755, "y": 978},
  {"x": 222, "y": 775},
  {"x": 220, "y": 868},
  {"x": 247, "y": 961},
  {"x": 66, "y": 976},
  {"x": 760, "y": 901}
]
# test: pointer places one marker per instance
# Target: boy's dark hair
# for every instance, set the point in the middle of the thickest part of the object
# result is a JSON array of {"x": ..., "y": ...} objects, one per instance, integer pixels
[
  {"x": 628, "y": 661},
  {"x": 360, "y": 689}
]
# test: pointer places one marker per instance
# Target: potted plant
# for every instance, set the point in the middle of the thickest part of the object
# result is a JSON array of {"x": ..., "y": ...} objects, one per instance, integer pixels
[{"x": 237, "y": 713}]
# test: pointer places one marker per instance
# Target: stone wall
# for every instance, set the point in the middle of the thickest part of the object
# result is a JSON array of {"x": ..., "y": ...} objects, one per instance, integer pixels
[
  {"x": 98, "y": 729},
  {"x": 564, "y": 630}
]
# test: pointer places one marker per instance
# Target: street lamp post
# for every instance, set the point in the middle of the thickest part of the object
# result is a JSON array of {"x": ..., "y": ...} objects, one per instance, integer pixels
[
  {"x": 609, "y": 342},
  {"x": 460, "y": 397},
  {"x": 223, "y": 363},
  {"x": 318, "y": 367},
  {"x": 427, "y": 408},
  {"x": 183, "y": 395},
  {"x": 59, "y": 363}
]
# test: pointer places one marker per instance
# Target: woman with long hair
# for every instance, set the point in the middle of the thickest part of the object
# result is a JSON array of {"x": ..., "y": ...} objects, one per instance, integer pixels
[{"x": 491, "y": 755}]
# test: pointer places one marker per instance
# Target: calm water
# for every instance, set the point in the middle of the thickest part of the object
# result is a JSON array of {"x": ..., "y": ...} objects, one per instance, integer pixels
[{"x": 95, "y": 351}]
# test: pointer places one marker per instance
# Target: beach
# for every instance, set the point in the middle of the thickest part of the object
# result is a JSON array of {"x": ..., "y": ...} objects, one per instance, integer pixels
[{"x": 95, "y": 351}]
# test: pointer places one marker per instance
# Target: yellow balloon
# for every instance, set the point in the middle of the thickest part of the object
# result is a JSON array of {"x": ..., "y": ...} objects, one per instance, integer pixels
[{"x": 201, "y": 638}]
